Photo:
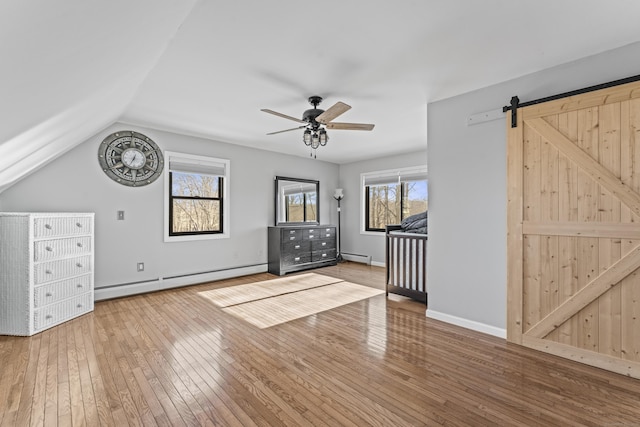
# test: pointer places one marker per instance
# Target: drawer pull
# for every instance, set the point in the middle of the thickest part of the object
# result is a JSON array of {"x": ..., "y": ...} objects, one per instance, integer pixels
[
  {"x": 79, "y": 265},
  {"x": 49, "y": 249},
  {"x": 48, "y": 272},
  {"x": 48, "y": 294},
  {"x": 47, "y": 226},
  {"x": 79, "y": 244},
  {"x": 327, "y": 230},
  {"x": 324, "y": 243},
  {"x": 328, "y": 235},
  {"x": 79, "y": 306},
  {"x": 297, "y": 246},
  {"x": 79, "y": 225},
  {"x": 297, "y": 258},
  {"x": 80, "y": 285},
  {"x": 324, "y": 255},
  {"x": 292, "y": 231},
  {"x": 48, "y": 316},
  {"x": 292, "y": 238}
]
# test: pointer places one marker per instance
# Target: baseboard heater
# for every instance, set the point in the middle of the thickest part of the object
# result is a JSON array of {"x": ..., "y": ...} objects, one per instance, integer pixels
[
  {"x": 127, "y": 289},
  {"x": 365, "y": 259}
]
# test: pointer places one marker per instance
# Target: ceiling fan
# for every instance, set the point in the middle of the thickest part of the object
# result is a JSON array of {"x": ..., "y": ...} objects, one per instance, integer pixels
[{"x": 316, "y": 121}]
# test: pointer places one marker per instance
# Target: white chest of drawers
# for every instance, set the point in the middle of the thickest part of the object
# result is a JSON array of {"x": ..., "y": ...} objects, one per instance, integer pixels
[{"x": 46, "y": 270}]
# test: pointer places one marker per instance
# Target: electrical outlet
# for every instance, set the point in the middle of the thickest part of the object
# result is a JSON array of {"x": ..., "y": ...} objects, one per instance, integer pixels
[
  {"x": 141, "y": 266},
  {"x": 120, "y": 215}
]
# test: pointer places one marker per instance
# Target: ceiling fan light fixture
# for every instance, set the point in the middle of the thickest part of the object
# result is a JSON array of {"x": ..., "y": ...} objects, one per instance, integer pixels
[
  {"x": 314, "y": 121},
  {"x": 315, "y": 140},
  {"x": 323, "y": 137}
]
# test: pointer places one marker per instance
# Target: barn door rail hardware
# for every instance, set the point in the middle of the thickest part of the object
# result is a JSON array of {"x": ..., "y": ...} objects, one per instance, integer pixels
[{"x": 515, "y": 101}]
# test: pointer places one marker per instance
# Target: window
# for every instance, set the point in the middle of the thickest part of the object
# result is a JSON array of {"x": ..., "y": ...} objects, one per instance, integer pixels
[
  {"x": 391, "y": 196},
  {"x": 196, "y": 202}
]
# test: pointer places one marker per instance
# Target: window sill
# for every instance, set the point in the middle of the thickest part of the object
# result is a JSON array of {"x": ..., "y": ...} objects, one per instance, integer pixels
[
  {"x": 372, "y": 233},
  {"x": 174, "y": 239}
]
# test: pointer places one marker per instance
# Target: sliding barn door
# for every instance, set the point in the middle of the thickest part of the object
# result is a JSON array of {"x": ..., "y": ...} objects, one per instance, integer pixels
[{"x": 574, "y": 228}]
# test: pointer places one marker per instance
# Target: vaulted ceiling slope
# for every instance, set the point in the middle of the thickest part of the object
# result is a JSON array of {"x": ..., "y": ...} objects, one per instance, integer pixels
[
  {"x": 206, "y": 68},
  {"x": 70, "y": 68}
]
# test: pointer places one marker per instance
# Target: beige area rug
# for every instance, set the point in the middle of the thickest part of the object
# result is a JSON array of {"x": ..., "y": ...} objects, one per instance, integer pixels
[
  {"x": 239, "y": 294},
  {"x": 303, "y": 296}
]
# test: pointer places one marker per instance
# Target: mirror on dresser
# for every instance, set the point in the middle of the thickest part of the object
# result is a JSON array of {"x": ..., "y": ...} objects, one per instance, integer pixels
[{"x": 296, "y": 201}]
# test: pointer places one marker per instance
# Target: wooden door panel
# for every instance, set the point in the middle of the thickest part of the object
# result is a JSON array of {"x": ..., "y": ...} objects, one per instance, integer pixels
[
  {"x": 630, "y": 347},
  {"x": 531, "y": 289},
  {"x": 574, "y": 228}
]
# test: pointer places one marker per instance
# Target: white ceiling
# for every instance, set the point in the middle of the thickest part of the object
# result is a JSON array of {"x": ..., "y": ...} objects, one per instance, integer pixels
[{"x": 206, "y": 68}]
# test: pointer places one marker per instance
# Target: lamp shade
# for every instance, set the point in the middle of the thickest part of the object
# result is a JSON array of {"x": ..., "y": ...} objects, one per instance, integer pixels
[{"x": 338, "y": 194}]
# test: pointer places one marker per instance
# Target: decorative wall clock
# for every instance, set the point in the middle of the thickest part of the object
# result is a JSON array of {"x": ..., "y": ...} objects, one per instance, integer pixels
[{"x": 130, "y": 158}]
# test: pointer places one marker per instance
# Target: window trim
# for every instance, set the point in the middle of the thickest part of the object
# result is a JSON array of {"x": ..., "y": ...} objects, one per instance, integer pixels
[
  {"x": 224, "y": 199},
  {"x": 382, "y": 174}
]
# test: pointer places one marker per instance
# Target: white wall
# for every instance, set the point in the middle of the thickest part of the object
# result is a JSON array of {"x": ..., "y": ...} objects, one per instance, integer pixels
[
  {"x": 353, "y": 240},
  {"x": 75, "y": 182},
  {"x": 467, "y": 188}
]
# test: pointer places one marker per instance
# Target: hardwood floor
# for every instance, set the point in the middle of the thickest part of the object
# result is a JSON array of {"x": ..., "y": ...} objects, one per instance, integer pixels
[{"x": 174, "y": 358}]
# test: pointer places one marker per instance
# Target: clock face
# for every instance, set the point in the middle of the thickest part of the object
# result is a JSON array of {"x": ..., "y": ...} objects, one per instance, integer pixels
[
  {"x": 130, "y": 158},
  {"x": 133, "y": 158}
]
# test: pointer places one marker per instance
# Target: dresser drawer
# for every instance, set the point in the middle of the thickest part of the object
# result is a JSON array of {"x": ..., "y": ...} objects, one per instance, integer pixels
[
  {"x": 64, "y": 310},
  {"x": 295, "y": 259},
  {"x": 292, "y": 235},
  {"x": 326, "y": 255},
  {"x": 320, "y": 233},
  {"x": 54, "y": 270},
  {"x": 323, "y": 244},
  {"x": 60, "y": 248},
  {"x": 57, "y": 291},
  {"x": 327, "y": 231},
  {"x": 297, "y": 246},
  {"x": 61, "y": 226}
]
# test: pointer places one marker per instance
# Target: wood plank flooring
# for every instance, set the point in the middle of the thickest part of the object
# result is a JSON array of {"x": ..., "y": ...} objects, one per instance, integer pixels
[{"x": 174, "y": 358}]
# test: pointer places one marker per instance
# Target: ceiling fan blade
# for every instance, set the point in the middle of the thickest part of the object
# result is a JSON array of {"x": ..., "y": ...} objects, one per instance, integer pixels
[
  {"x": 275, "y": 113},
  {"x": 349, "y": 126},
  {"x": 286, "y": 130},
  {"x": 334, "y": 111}
]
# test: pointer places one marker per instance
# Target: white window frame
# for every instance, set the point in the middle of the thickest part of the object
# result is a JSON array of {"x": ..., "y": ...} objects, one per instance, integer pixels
[
  {"x": 226, "y": 203},
  {"x": 392, "y": 175}
]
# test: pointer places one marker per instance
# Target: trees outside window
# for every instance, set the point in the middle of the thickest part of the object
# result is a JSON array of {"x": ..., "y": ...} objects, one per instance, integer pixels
[
  {"x": 300, "y": 207},
  {"x": 389, "y": 198},
  {"x": 195, "y": 204}
]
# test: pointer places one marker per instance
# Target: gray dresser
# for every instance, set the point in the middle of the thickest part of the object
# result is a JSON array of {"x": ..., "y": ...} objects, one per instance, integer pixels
[
  {"x": 295, "y": 248},
  {"x": 46, "y": 270}
]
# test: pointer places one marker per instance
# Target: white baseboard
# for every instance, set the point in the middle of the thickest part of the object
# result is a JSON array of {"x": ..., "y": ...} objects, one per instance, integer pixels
[
  {"x": 365, "y": 259},
  {"x": 117, "y": 291},
  {"x": 378, "y": 264},
  {"x": 469, "y": 324}
]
